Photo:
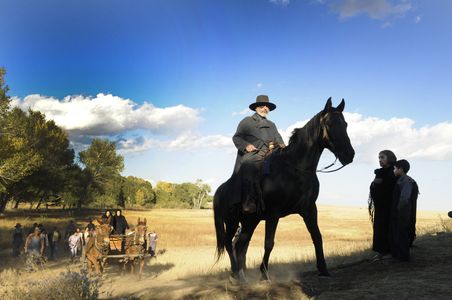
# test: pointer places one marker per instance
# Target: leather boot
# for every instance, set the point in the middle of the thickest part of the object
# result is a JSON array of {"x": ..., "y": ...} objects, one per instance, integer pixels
[{"x": 248, "y": 203}]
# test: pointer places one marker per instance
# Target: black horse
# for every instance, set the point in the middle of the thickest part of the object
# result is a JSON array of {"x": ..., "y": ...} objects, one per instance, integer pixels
[{"x": 291, "y": 187}]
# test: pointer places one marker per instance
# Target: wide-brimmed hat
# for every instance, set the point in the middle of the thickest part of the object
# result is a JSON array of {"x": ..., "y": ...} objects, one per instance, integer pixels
[
  {"x": 262, "y": 100},
  {"x": 18, "y": 225}
]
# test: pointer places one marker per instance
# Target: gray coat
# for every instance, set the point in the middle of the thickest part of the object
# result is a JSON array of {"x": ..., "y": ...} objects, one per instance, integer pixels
[{"x": 257, "y": 131}]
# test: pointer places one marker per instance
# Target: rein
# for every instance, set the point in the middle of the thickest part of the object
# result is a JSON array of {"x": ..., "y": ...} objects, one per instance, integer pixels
[{"x": 329, "y": 166}]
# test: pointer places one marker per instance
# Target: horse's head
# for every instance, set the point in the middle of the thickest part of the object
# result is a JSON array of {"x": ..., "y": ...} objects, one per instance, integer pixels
[
  {"x": 334, "y": 132},
  {"x": 103, "y": 234},
  {"x": 140, "y": 232}
]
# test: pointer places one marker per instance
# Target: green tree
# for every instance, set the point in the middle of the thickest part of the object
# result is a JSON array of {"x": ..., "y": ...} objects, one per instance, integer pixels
[
  {"x": 184, "y": 195},
  {"x": 164, "y": 192},
  {"x": 5, "y": 100},
  {"x": 51, "y": 143},
  {"x": 201, "y": 194},
  {"x": 34, "y": 153},
  {"x": 103, "y": 165},
  {"x": 139, "y": 197},
  {"x": 121, "y": 197},
  {"x": 193, "y": 195},
  {"x": 132, "y": 185}
]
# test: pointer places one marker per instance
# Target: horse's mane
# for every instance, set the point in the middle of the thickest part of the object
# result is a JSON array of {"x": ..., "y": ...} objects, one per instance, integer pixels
[{"x": 301, "y": 137}]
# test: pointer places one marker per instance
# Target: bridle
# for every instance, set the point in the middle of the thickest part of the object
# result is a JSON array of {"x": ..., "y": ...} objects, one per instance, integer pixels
[
  {"x": 326, "y": 137},
  {"x": 136, "y": 237},
  {"x": 329, "y": 166},
  {"x": 103, "y": 249}
]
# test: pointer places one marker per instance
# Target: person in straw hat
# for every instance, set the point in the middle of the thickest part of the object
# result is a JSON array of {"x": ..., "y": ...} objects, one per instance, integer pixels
[{"x": 254, "y": 138}]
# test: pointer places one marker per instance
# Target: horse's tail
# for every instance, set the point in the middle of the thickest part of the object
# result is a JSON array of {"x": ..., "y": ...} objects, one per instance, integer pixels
[{"x": 219, "y": 211}]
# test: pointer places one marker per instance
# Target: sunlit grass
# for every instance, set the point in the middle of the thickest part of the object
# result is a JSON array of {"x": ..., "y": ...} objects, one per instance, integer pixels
[{"x": 187, "y": 244}]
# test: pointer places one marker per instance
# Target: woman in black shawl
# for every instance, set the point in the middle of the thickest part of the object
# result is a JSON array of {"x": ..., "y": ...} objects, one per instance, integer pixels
[
  {"x": 380, "y": 199},
  {"x": 106, "y": 218}
]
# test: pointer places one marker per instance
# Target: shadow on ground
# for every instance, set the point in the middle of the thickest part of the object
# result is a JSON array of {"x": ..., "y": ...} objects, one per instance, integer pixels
[{"x": 352, "y": 277}]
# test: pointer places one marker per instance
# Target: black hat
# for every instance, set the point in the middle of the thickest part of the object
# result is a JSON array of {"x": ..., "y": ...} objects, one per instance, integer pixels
[
  {"x": 18, "y": 225},
  {"x": 262, "y": 100}
]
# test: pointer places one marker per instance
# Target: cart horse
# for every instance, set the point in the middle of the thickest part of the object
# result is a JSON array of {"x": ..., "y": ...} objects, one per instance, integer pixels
[
  {"x": 130, "y": 248},
  {"x": 97, "y": 248}
]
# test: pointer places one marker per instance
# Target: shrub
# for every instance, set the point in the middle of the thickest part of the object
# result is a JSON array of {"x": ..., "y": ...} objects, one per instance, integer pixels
[{"x": 68, "y": 285}]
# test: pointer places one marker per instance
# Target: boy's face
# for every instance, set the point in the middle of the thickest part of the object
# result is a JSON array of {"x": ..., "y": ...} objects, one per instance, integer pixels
[{"x": 398, "y": 171}]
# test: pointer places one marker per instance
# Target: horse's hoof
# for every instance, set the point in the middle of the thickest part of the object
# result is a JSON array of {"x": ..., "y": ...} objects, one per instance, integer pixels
[
  {"x": 265, "y": 279},
  {"x": 242, "y": 277},
  {"x": 233, "y": 280},
  {"x": 325, "y": 275}
]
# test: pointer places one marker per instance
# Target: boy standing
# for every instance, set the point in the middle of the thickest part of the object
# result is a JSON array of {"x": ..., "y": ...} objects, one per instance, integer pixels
[
  {"x": 403, "y": 212},
  {"x": 75, "y": 243}
]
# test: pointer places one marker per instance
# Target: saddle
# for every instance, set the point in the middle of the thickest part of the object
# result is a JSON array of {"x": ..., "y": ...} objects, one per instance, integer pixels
[{"x": 273, "y": 151}]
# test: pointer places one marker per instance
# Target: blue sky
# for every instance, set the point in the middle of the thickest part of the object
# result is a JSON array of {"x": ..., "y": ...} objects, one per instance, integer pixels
[{"x": 170, "y": 80}]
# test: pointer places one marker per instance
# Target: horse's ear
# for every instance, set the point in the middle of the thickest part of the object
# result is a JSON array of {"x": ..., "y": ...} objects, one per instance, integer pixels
[
  {"x": 341, "y": 106},
  {"x": 328, "y": 105},
  {"x": 138, "y": 222},
  {"x": 145, "y": 221}
]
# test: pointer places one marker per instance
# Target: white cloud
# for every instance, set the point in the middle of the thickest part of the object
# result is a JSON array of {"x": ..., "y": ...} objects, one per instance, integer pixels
[
  {"x": 185, "y": 141},
  {"x": 417, "y": 19},
  {"x": 282, "y": 3},
  {"x": 375, "y": 9},
  {"x": 240, "y": 113},
  {"x": 259, "y": 85},
  {"x": 369, "y": 135},
  {"x": 194, "y": 141},
  {"x": 136, "y": 144},
  {"x": 108, "y": 114}
]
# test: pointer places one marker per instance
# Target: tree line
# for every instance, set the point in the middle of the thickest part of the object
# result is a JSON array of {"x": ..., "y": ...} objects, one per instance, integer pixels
[{"x": 38, "y": 167}]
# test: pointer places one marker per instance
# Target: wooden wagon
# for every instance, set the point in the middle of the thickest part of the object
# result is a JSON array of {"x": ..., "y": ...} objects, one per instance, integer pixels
[{"x": 117, "y": 249}]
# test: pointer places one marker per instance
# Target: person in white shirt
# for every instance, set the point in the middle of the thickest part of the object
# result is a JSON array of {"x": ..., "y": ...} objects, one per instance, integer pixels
[
  {"x": 152, "y": 246},
  {"x": 75, "y": 243}
]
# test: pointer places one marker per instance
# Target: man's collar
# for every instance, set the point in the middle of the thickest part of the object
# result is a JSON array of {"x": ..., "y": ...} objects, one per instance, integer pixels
[{"x": 257, "y": 117}]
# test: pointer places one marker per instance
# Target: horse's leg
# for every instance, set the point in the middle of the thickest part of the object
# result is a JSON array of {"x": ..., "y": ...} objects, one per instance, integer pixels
[
  {"x": 141, "y": 267},
  {"x": 90, "y": 266},
  {"x": 132, "y": 266},
  {"x": 270, "y": 230},
  {"x": 231, "y": 229},
  {"x": 124, "y": 267},
  {"x": 241, "y": 246},
  {"x": 97, "y": 266},
  {"x": 104, "y": 263},
  {"x": 310, "y": 219}
]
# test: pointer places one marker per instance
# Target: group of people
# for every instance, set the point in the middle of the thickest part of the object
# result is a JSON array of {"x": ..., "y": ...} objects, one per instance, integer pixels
[
  {"x": 117, "y": 221},
  {"x": 392, "y": 207},
  {"x": 36, "y": 240},
  {"x": 42, "y": 244}
]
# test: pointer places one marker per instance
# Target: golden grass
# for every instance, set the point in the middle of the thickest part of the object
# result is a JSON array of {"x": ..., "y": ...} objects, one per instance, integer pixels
[{"x": 187, "y": 239}]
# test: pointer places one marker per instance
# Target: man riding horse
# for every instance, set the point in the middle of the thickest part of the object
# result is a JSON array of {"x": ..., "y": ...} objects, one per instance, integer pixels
[{"x": 255, "y": 137}]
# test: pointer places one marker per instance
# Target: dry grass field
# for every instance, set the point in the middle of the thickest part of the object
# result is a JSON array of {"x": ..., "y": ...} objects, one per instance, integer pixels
[{"x": 184, "y": 267}]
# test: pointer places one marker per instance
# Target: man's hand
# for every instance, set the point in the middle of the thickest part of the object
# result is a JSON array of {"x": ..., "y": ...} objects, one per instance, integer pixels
[{"x": 250, "y": 148}]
